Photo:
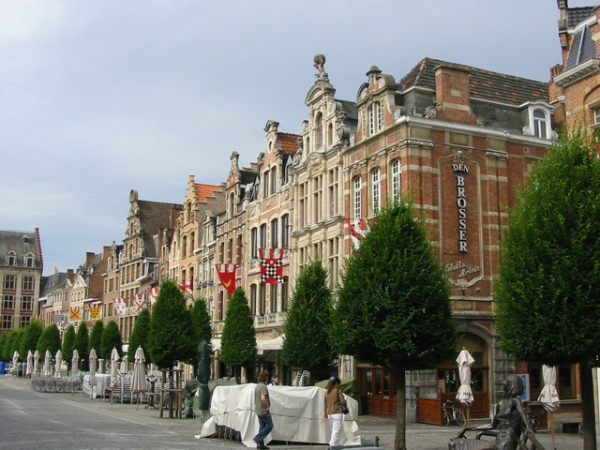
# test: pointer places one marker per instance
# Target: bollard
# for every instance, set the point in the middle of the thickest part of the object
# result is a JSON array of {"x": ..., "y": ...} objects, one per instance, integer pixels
[{"x": 376, "y": 441}]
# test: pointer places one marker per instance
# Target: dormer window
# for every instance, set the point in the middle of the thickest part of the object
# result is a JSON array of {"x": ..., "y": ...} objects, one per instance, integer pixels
[
  {"x": 375, "y": 118},
  {"x": 540, "y": 123},
  {"x": 11, "y": 258},
  {"x": 538, "y": 120}
]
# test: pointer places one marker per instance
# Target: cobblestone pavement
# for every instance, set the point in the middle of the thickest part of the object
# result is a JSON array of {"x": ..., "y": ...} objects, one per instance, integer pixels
[{"x": 418, "y": 436}]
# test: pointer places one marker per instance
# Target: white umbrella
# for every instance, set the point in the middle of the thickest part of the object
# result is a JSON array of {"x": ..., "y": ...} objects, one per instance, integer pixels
[
  {"x": 58, "y": 363},
  {"x": 75, "y": 365},
  {"x": 15, "y": 363},
  {"x": 123, "y": 367},
  {"x": 114, "y": 364},
  {"x": 36, "y": 363},
  {"x": 549, "y": 396},
  {"x": 138, "y": 381},
  {"x": 465, "y": 394},
  {"x": 48, "y": 363},
  {"x": 93, "y": 362},
  {"x": 29, "y": 369}
]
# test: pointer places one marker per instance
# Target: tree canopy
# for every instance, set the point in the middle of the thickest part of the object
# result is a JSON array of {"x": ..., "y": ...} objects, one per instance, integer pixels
[
  {"x": 139, "y": 336},
  {"x": 172, "y": 335},
  {"x": 31, "y": 336},
  {"x": 95, "y": 340},
  {"x": 394, "y": 309},
  {"x": 81, "y": 341},
  {"x": 238, "y": 340},
  {"x": 547, "y": 292},
  {"x": 111, "y": 338},
  {"x": 68, "y": 344},
  {"x": 49, "y": 340},
  {"x": 202, "y": 326},
  {"x": 308, "y": 319}
]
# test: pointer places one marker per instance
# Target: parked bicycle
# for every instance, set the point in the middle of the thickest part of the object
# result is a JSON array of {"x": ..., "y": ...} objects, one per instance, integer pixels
[
  {"x": 532, "y": 421},
  {"x": 450, "y": 414}
]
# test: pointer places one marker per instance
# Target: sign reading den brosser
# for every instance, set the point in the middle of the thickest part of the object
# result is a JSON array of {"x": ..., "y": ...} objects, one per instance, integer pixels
[{"x": 460, "y": 224}]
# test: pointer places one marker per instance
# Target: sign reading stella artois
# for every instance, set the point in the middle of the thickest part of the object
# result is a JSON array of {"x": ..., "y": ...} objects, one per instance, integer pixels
[{"x": 461, "y": 242}]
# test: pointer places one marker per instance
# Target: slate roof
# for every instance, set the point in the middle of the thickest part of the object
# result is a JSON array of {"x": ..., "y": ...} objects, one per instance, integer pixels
[
  {"x": 484, "y": 84},
  {"x": 577, "y": 15},
  {"x": 582, "y": 48},
  {"x": 11, "y": 240}
]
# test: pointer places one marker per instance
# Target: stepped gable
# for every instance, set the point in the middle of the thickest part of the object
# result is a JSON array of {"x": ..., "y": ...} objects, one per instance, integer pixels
[
  {"x": 484, "y": 84},
  {"x": 153, "y": 217}
]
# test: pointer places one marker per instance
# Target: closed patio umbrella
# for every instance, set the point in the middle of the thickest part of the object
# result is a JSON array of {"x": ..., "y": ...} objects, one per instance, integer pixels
[
  {"x": 93, "y": 362},
  {"x": 138, "y": 381},
  {"x": 15, "y": 361},
  {"x": 549, "y": 395},
  {"x": 75, "y": 365},
  {"x": 48, "y": 363},
  {"x": 36, "y": 363},
  {"x": 114, "y": 366},
  {"x": 123, "y": 367},
  {"x": 29, "y": 370},
  {"x": 58, "y": 364},
  {"x": 465, "y": 393}
]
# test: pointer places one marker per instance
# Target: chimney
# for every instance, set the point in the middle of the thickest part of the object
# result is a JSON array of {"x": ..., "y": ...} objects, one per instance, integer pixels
[{"x": 453, "y": 93}]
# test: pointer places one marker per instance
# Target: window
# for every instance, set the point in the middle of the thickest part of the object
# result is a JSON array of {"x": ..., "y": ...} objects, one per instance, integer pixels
[
  {"x": 184, "y": 247},
  {"x": 266, "y": 184},
  {"x": 7, "y": 322},
  {"x": 303, "y": 204},
  {"x": 317, "y": 197},
  {"x": 10, "y": 282},
  {"x": 396, "y": 182},
  {"x": 284, "y": 293},
  {"x": 25, "y": 321},
  {"x": 330, "y": 134},
  {"x": 564, "y": 377},
  {"x": 11, "y": 259},
  {"x": 274, "y": 233},
  {"x": 540, "y": 123},
  {"x": 29, "y": 260},
  {"x": 8, "y": 302},
  {"x": 27, "y": 283},
  {"x": 376, "y": 190},
  {"x": 285, "y": 231},
  {"x": 273, "y": 299},
  {"x": 375, "y": 119},
  {"x": 357, "y": 198},
  {"x": 231, "y": 205},
  {"x": 253, "y": 299},
  {"x": 254, "y": 242},
  {"x": 262, "y": 301},
  {"x": 333, "y": 192},
  {"x": 263, "y": 236},
  {"x": 596, "y": 115},
  {"x": 274, "y": 180},
  {"x": 319, "y": 131}
]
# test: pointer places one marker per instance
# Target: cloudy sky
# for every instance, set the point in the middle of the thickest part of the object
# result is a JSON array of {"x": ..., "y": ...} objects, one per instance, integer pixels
[{"x": 99, "y": 97}]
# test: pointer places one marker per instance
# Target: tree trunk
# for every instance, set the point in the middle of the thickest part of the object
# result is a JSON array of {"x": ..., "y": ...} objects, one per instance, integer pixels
[
  {"x": 400, "y": 381},
  {"x": 587, "y": 407}
]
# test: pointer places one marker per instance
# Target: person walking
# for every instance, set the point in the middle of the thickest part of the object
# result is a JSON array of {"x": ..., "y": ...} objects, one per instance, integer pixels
[
  {"x": 262, "y": 405},
  {"x": 334, "y": 400}
]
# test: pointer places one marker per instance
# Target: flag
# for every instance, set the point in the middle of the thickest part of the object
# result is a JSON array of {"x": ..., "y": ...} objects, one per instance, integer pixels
[
  {"x": 227, "y": 276},
  {"x": 74, "y": 314},
  {"x": 139, "y": 300},
  {"x": 152, "y": 294},
  {"x": 271, "y": 266},
  {"x": 187, "y": 289},
  {"x": 95, "y": 310},
  {"x": 120, "y": 305},
  {"x": 358, "y": 230}
]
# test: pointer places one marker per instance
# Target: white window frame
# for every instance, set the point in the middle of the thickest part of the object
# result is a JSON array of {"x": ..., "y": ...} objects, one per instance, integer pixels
[
  {"x": 396, "y": 171},
  {"x": 376, "y": 190},
  {"x": 357, "y": 207}
]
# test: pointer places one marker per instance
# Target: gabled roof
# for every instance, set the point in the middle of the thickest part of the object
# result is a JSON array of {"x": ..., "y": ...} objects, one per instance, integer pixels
[
  {"x": 22, "y": 243},
  {"x": 288, "y": 142},
  {"x": 154, "y": 216},
  {"x": 204, "y": 191},
  {"x": 483, "y": 84}
]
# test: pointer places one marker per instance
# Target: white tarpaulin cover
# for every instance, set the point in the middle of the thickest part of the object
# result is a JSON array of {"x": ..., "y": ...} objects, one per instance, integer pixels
[{"x": 297, "y": 415}]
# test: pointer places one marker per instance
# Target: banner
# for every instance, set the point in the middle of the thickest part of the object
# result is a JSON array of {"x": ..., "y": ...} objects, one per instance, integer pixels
[
  {"x": 152, "y": 295},
  {"x": 226, "y": 274},
  {"x": 271, "y": 266},
  {"x": 95, "y": 311},
  {"x": 358, "y": 230},
  {"x": 139, "y": 300},
  {"x": 187, "y": 289},
  {"x": 74, "y": 314},
  {"x": 120, "y": 305}
]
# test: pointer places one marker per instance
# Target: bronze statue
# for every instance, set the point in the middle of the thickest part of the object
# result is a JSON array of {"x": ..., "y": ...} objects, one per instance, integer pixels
[{"x": 509, "y": 420}]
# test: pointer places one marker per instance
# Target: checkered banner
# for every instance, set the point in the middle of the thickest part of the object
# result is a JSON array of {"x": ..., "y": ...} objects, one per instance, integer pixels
[{"x": 271, "y": 265}]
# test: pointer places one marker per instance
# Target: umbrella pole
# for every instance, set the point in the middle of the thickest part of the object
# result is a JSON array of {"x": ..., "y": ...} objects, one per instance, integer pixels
[
  {"x": 552, "y": 428},
  {"x": 469, "y": 415}
]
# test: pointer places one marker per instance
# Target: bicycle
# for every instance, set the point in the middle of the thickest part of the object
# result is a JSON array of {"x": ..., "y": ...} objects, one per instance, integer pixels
[
  {"x": 532, "y": 421},
  {"x": 452, "y": 414}
]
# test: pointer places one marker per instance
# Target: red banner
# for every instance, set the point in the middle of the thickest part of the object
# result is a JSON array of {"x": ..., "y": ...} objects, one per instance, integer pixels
[{"x": 226, "y": 274}]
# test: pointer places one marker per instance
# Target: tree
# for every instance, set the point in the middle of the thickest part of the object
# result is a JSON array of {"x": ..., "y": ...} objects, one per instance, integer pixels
[
  {"x": 548, "y": 288},
  {"x": 306, "y": 345},
  {"x": 95, "y": 341},
  {"x": 238, "y": 340},
  {"x": 202, "y": 326},
  {"x": 111, "y": 338},
  {"x": 49, "y": 340},
  {"x": 32, "y": 334},
  {"x": 172, "y": 335},
  {"x": 68, "y": 343},
  {"x": 394, "y": 309},
  {"x": 81, "y": 341},
  {"x": 139, "y": 336}
]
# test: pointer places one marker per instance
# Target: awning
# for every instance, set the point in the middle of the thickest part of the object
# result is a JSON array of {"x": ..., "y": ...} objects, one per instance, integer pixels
[{"x": 270, "y": 344}]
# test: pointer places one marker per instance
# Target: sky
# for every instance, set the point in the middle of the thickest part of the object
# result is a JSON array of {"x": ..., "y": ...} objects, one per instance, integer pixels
[{"x": 99, "y": 97}]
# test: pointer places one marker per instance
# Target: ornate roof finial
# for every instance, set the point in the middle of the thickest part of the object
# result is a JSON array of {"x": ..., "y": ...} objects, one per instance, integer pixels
[{"x": 319, "y": 63}]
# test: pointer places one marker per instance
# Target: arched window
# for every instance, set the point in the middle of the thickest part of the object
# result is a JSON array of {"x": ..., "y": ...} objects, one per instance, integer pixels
[
  {"x": 375, "y": 190},
  {"x": 540, "y": 123},
  {"x": 330, "y": 135},
  {"x": 396, "y": 181},
  {"x": 375, "y": 118},
  {"x": 319, "y": 131},
  {"x": 357, "y": 206}
]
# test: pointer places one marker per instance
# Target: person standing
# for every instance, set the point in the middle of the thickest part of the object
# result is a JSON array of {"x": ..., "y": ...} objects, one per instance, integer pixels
[
  {"x": 334, "y": 400},
  {"x": 262, "y": 405}
]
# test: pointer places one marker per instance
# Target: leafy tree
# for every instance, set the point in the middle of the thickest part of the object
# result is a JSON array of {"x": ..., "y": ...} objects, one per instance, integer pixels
[
  {"x": 111, "y": 338},
  {"x": 69, "y": 343},
  {"x": 3, "y": 339},
  {"x": 548, "y": 289},
  {"x": 172, "y": 335},
  {"x": 49, "y": 340},
  {"x": 95, "y": 341},
  {"x": 139, "y": 335},
  {"x": 81, "y": 341},
  {"x": 202, "y": 326},
  {"x": 394, "y": 308},
  {"x": 306, "y": 345},
  {"x": 238, "y": 340},
  {"x": 11, "y": 344},
  {"x": 33, "y": 331}
]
